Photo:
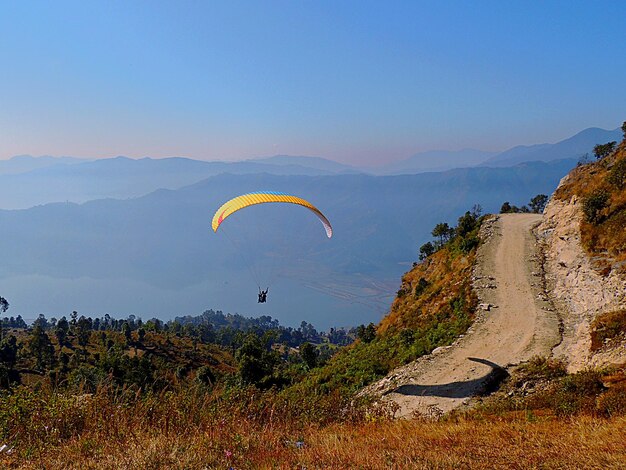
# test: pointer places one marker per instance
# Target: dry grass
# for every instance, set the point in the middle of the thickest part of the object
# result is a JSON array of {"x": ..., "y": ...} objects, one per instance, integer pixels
[
  {"x": 448, "y": 277},
  {"x": 512, "y": 443},
  {"x": 242, "y": 429},
  {"x": 606, "y": 326}
]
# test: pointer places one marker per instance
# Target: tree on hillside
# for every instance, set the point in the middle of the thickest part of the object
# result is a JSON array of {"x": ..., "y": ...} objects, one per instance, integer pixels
[
  {"x": 366, "y": 333},
  {"x": 8, "y": 351},
  {"x": 426, "y": 250},
  {"x": 604, "y": 150},
  {"x": 308, "y": 354},
  {"x": 256, "y": 364},
  {"x": 83, "y": 332},
  {"x": 624, "y": 129},
  {"x": 41, "y": 347},
  {"x": 61, "y": 330},
  {"x": 538, "y": 203},
  {"x": 4, "y": 305},
  {"x": 126, "y": 332},
  {"x": 467, "y": 222},
  {"x": 443, "y": 231}
]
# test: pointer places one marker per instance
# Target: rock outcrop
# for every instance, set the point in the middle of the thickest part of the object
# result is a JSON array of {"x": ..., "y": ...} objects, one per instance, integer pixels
[{"x": 579, "y": 292}]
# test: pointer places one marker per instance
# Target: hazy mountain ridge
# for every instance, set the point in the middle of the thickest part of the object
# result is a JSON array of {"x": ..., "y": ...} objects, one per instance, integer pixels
[
  {"x": 436, "y": 160},
  {"x": 120, "y": 177},
  {"x": 28, "y": 181},
  {"x": 317, "y": 163},
  {"x": 572, "y": 147},
  {"x": 25, "y": 163}
]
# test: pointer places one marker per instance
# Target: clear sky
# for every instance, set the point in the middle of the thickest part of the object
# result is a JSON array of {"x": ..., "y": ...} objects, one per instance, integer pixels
[{"x": 356, "y": 81}]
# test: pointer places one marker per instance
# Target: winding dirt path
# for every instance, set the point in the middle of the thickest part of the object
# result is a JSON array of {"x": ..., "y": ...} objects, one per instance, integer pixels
[{"x": 519, "y": 324}]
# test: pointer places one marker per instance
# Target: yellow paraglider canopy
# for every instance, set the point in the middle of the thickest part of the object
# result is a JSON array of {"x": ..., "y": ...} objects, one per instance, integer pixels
[{"x": 263, "y": 197}]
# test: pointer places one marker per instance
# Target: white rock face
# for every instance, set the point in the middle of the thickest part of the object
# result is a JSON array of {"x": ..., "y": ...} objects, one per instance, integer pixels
[{"x": 578, "y": 291}]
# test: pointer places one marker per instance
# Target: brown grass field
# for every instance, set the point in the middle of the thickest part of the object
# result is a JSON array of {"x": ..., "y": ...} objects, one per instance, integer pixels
[{"x": 196, "y": 431}]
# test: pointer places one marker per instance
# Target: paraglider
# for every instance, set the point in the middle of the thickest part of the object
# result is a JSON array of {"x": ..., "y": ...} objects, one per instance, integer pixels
[{"x": 262, "y": 197}]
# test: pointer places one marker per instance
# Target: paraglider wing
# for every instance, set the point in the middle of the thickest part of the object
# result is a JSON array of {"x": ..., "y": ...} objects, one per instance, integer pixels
[{"x": 262, "y": 197}]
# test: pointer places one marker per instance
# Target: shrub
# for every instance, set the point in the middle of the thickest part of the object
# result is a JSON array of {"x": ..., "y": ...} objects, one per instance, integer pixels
[
  {"x": 205, "y": 376},
  {"x": 468, "y": 244},
  {"x": 421, "y": 286},
  {"x": 543, "y": 368},
  {"x": 577, "y": 393},
  {"x": 593, "y": 205},
  {"x": 617, "y": 175},
  {"x": 613, "y": 401}
]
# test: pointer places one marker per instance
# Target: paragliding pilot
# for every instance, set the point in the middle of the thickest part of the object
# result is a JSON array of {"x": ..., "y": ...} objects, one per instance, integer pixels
[{"x": 263, "y": 295}]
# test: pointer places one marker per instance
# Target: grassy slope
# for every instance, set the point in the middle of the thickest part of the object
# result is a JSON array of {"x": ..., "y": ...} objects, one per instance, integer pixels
[{"x": 434, "y": 305}]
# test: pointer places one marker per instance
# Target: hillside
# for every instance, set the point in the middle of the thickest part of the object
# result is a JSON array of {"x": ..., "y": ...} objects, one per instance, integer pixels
[
  {"x": 570, "y": 258},
  {"x": 585, "y": 244}
]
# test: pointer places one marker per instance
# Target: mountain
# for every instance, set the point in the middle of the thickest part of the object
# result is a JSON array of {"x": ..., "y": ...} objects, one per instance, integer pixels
[
  {"x": 317, "y": 163},
  {"x": 435, "y": 160},
  {"x": 24, "y": 163},
  {"x": 573, "y": 147},
  {"x": 57, "y": 180},
  {"x": 156, "y": 254}
]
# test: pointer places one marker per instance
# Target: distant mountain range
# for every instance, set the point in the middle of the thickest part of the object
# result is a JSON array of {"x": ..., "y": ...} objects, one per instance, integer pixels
[
  {"x": 439, "y": 160},
  {"x": 27, "y": 181},
  {"x": 316, "y": 163},
  {"x": 573, "y": 147},
  {"x": 436, "y": 160},
  {"x": 156, "y": 254},
  {"x": 25, "y": 163},
  {"x": 119, "y": 177}
]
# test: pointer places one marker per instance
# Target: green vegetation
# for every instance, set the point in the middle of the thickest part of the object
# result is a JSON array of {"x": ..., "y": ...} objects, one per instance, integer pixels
[
  {"x": 536, "y": 205},
  {"x": 434, "y": 305},
  {"x": 593, "y": 204},
  {"x": 542, "y": 385},
  {"x": 604, "y": 150}
]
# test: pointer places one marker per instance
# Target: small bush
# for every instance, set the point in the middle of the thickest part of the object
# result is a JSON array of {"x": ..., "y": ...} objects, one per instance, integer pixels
[
  {"x": 613, "y": 401},
  {"x": 607, "y": 325},
  {"x": 577, "y": 393},
  {"x": 617, "y": 175},
  {"x": 543, "y": 368},
  {"x": 593, "y": 205}
]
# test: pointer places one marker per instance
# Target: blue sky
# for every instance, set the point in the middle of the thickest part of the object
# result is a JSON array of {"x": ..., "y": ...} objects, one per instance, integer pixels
[{"x": 359, "y": 82}]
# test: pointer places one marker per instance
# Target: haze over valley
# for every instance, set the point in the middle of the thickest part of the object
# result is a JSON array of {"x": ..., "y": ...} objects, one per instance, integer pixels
[{"x": 147, "y": 248}]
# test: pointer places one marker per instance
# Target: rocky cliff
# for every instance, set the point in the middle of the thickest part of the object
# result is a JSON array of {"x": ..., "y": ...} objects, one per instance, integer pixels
[{"x": 580, "y": 288}]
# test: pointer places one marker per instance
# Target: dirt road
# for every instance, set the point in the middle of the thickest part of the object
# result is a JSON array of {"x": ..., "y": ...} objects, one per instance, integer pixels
[{"x": 518, "y": 325}]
